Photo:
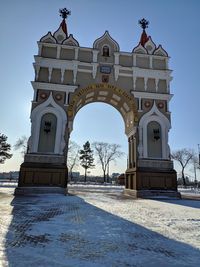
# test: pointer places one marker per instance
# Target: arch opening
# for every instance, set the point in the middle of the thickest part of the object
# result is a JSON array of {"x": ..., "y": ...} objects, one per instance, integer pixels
[{"x": 105, "y": 125}]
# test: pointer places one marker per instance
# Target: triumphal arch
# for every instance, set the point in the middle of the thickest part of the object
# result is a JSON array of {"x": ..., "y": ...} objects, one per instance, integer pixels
[{"x": 137, "y": 84}]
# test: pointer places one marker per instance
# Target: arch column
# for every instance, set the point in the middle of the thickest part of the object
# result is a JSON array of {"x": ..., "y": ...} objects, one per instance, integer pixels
[
  {"x": 45, "y": 168},
  {"x": 130, "y": 176},
  {"x": 149, "y": 176}
]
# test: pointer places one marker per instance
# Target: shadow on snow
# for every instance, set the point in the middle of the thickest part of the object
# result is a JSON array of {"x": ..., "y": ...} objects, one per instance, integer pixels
[{"x": 67, "y": 231}]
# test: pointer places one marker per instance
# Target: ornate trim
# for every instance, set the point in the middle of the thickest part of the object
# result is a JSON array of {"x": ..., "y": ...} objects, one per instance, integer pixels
[
  {"x": 153, "y": 115},
  {"x": 139, "y": 49},
  {"x": 103, "y": 37},
  {"x": 48, "y": 36},
  {"x": 49, "y": 106},
  {"x": 160, "y": 51},
  {"x": 71, "y": 41}
]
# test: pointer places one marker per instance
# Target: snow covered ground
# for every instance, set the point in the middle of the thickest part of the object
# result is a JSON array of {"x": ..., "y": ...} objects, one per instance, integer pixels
[{"x": 97, "y": 226}]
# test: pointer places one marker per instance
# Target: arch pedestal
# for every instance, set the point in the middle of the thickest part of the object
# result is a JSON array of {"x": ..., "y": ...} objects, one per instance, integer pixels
[
  {"x": 147, "y": 182},
  {"x": 50, "y": 178},
  {"x": 149, "y": 178}
]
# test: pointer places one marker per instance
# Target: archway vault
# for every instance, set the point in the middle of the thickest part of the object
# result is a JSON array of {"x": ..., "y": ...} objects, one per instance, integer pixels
[{"x": 109, "y": 94}]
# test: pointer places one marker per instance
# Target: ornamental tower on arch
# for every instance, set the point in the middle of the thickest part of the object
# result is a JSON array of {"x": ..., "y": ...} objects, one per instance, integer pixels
[{"x": 136, "y": 83}]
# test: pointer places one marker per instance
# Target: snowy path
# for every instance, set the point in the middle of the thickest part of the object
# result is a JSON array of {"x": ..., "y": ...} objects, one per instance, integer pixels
[{"x": 94, "y": 227}]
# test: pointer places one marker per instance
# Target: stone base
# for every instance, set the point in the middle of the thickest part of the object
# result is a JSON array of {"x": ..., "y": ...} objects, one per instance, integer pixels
[
  {"x": 151, "y": 182},
  {"x": 42, "y": 175},
  {"x": 153, "y": 194},
  {"x": 23, "y": 191}
]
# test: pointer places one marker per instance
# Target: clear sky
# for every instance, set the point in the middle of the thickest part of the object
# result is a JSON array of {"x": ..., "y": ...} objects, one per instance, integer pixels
[{"x": 173, "y": 23}]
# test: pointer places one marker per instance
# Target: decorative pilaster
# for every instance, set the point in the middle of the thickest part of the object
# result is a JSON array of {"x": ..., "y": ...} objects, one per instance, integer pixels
[
  {"x": 50, "y": 72},
  {"x": 134, "y": 60},
  {"x": 129, "y": 152},
  {"x": 35, "y": 95},
  {"x": 116, "y": 69},
  {"x": 167, "y": 107},
  {"x": 151, "y": 62},
  {"x": 94, "y": 70},
  {"x": 95, "y": 54},
  {"x": 76, "y": 53},
  {"x": 145, "y": 83},
  {"x": 58, "y": 52},
  {"x": 140, "y": 104},
  {"x": 156, "y": 80},
  {"x": 116, "y": 54},
  {"x": 62, "y": 75},
  {"x": 37, "y": 70},
  {"x": 39, "y": 49},
  {"x": 140, "y": 146},
  {"x": 75, "y": 70},
  {"x": 134, "y": 82},
  {"x": 167, "y": 82}
]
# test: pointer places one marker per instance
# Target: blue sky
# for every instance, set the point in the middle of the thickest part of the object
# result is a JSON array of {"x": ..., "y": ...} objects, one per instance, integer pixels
[{"x": 174, "y": 24}]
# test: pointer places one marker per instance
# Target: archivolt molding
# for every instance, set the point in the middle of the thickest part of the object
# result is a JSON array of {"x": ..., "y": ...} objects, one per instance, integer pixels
[
  {"x": 139, "y": 49},
  {"x": 48, "y": 38},
  {"x": 105, "y": 36},
  {"x": 49, "y": 106},
  {"x": 70, "y": 41},
  {"x": 153, "y": 115},
  {"x": 160, "y": 52},
  {"x": 60, "y": 35},
  {"x": 106, "y": 93}
]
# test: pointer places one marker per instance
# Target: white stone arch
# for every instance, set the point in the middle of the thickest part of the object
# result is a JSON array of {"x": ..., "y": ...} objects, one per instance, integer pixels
[
  {"x": 139, "y": 49},
  {"x": 49, "y": 106},
  {"x": 106, "y": 36},
  {"x": 153, "y": 115},
  {"x": 70, "y": 41},
  {"x": 160, "y": 51},
  {"x": 48, "y": 38}
]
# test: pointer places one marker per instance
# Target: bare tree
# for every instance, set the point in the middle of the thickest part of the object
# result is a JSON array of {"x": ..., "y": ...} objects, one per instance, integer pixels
[
  {"x": 73, "y": 157},
  {"x": 184, "y": 157},
  {"x": 195, "y": 162},
  {"x": 22, "y": 143},
  {"x": 106, "y": 153}
]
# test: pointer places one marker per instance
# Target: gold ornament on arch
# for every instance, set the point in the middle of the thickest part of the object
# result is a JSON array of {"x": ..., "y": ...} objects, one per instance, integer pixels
[{"x": 102, "y": 86}]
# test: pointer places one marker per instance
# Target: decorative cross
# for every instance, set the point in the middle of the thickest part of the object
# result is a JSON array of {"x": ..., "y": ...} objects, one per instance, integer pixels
[
  {"x": 64, "y": 13},
  {"x": 143, "y": 23}
]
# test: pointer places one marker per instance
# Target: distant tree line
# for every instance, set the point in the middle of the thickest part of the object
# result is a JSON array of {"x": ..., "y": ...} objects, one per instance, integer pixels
[{"x": 104, "y": 152}]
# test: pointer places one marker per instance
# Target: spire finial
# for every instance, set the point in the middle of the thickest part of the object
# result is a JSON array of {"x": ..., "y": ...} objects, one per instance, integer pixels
[
  {"x": 64, "y": 12},
  {"x": 143, "y": 23}
]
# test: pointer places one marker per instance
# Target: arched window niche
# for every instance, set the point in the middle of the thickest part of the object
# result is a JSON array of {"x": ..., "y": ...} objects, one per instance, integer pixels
[
  {"x": 106, "y": 51},
  {"x": 47, "y": 137},
  {"x": 154, "y": 140}
]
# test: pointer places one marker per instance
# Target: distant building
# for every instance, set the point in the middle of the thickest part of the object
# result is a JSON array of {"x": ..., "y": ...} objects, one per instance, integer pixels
[{"x": 9, "y": 175}]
